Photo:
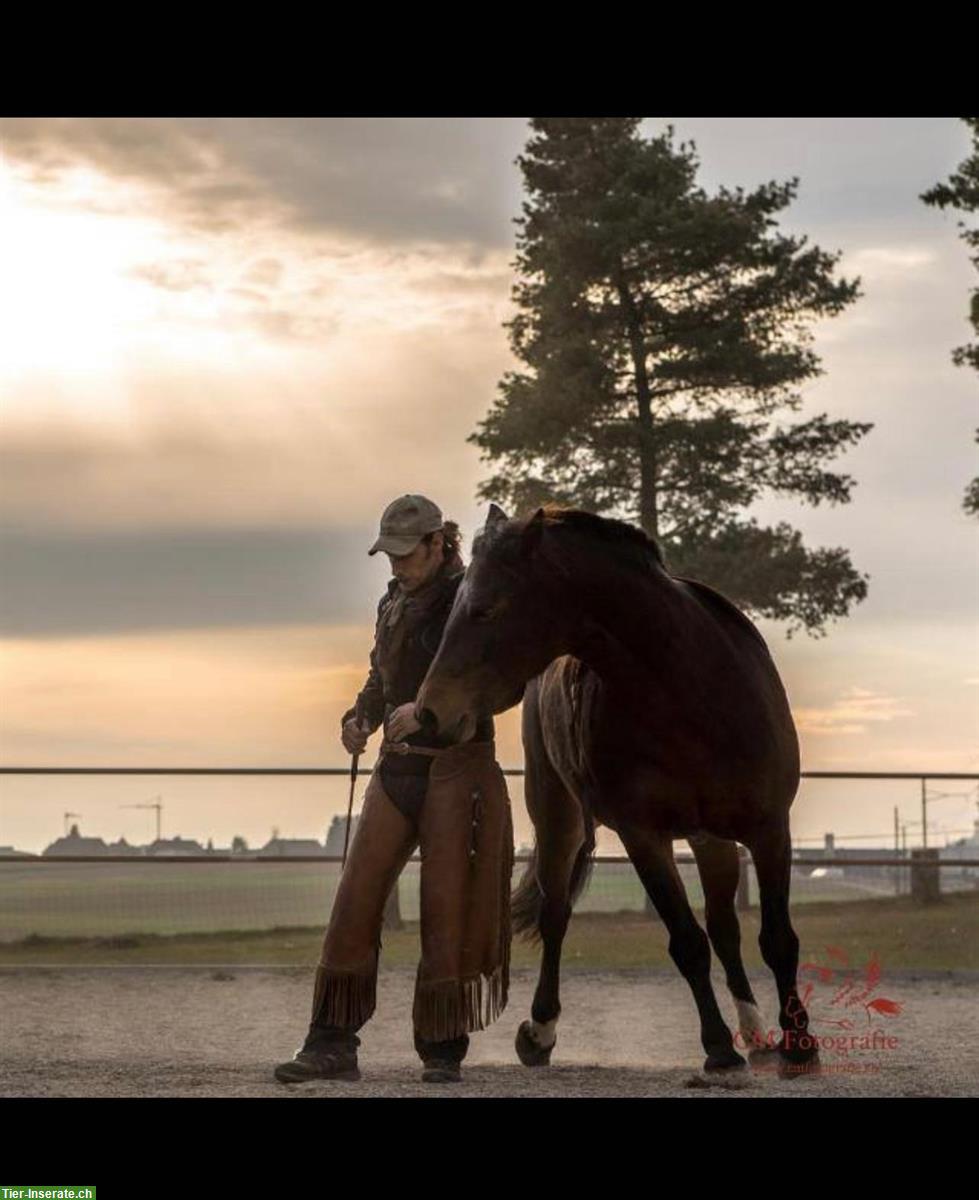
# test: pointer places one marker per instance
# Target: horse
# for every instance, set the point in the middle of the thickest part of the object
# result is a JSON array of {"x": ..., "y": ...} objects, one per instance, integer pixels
[{"x": 651, "y": 706}]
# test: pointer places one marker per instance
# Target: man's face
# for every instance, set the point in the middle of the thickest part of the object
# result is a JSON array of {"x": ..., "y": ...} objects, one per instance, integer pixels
[{"x": 417, "y": 568}]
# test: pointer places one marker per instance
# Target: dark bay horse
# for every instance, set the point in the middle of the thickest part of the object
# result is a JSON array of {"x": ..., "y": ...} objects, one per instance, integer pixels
[{"x": 651, "y": 705}]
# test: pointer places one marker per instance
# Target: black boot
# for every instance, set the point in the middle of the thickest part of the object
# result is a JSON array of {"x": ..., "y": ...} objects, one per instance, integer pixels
[
  {"x": 328, "y": 1053},
  {"x": 442, "y": 1060}
]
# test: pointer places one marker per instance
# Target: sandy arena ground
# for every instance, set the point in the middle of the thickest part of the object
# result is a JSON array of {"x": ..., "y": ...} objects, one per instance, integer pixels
[{"x": 205, "y": 1031}]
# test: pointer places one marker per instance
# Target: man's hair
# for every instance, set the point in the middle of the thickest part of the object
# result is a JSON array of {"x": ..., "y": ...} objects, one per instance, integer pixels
[{"x": 451, "y": 539}]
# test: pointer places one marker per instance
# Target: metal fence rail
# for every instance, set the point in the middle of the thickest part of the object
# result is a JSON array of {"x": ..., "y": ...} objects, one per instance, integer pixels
[
  {"x": 271, "y": 859},
  {"x": 922, "y": 775}
]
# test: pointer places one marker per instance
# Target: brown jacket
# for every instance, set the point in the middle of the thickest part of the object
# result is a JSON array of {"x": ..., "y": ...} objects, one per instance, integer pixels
[{"x": 399, "y": 664}]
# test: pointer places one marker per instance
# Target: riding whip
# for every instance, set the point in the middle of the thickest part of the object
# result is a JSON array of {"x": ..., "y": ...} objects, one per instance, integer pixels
[{"x": 353, "y": 781}]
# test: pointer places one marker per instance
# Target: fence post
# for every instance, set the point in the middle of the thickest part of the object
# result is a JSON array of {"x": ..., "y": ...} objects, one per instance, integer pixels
[
  {"x": 742, "y": 898},
  {"x": 926, "y": 886}
]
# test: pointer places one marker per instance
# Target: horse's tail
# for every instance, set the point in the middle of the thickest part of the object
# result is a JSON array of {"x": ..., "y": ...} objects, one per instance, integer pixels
[{"x": 527, "y": 898}]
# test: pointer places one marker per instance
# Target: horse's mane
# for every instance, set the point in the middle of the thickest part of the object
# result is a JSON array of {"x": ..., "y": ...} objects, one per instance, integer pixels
[
  {"x": 641, "y": 544},
  {"x": 635, "y": 548},
  {"x": 606, "y": 529}
]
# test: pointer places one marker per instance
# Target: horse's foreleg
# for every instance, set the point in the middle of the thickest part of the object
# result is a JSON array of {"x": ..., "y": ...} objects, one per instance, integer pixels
[
  {"x": 772, "y": 852},
  {"x": 720, "y": 869},
  {"x": 652, "y": 856}
]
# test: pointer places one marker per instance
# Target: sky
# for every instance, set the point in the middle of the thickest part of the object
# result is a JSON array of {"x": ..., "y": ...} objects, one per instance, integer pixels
[{"x": 228, "y": 343}]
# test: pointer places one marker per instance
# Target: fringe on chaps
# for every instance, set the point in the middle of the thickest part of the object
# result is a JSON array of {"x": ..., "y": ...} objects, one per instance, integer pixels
[{"x": 344, "y": 998}]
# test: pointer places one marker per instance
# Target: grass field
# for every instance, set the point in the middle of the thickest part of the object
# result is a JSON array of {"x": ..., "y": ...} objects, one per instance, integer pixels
[
  {"x": 902, "y": 934},
  {"x": 54, "y": 899}
]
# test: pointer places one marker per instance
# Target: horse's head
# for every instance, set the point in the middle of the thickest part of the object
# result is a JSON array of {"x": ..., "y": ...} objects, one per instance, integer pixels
[{"x": 512, "y": 615}]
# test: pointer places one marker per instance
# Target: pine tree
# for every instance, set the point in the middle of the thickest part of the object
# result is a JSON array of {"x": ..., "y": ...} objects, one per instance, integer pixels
[
  {"x": 962, "y": 192},
  {"x": 662, "y": 329}
]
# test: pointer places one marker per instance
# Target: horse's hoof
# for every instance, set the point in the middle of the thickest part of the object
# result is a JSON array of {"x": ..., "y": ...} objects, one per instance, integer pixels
[
  {"x": 728, "y": 1060},
  {"x": 529, "y": 1053},
  {"x": 762, "y": 1058},
  {"x": 734, "y": 1075},
  {"x": 796, "y": 1063}
]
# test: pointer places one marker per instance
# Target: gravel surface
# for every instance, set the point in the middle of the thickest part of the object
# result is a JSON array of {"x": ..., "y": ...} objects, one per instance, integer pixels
[{"x": 207, "y": 1031}]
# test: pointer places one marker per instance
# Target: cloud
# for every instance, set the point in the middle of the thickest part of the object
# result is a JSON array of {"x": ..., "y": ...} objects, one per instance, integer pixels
[
  {"x": 891, "y": 260},
  {"x": 851, "y": 713},
  {"x": 175, "y": 275},
  {"x": 454, "y": 179},
  {"x": 264, "y": 271},
  {"x": 374, "y": 386},
  {"x": 231, "y": 500},
  {"x": 384, "y": 179},
  {"x": 184, "y": 578},
  {"x": 853, "y": 171}
]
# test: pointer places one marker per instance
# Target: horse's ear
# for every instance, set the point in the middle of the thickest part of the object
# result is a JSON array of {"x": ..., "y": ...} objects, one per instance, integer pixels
[
  {"x": 532, "y": 533},
  {"x": 495, "y": 518}
]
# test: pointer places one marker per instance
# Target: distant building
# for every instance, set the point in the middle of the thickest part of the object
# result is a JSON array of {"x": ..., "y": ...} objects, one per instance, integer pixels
[
  {"x": 10, "y": 852},
  {"x": 166, "y": 847},
  {"x": 281, "y": 846},
  {"x": 337, "y": 831},
  {"x": 123, "y": 847},
  {"x": 837, "y": 865},
  {"x": 74, "y": 843},
  {"x": 967, "y": 847}
]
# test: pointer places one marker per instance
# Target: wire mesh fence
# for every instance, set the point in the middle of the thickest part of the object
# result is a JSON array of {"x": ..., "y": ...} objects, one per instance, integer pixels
[{"x": 48, "y": 898}]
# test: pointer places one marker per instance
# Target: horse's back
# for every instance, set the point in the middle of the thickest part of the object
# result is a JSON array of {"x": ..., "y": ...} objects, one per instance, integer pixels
[{"x": 723, "y": 611}]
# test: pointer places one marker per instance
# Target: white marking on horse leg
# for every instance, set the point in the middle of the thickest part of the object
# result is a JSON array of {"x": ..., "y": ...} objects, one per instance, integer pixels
[
  {"x": 543, "y": 1034},
  {"x": 750, "y": 1024}
]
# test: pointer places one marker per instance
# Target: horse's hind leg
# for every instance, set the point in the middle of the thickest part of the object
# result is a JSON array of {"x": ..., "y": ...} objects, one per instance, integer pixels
[
  {"x": 652, "y": 856},
  {"x": 720, "y": 868},
  {"x": 558, "y": 860},
  {"x": 772, "y": 852}
]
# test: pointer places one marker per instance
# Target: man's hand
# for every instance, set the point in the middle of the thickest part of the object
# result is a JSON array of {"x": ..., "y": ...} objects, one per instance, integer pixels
[
  {"x": 401, "y": 722},
  {"x": 354, "y": 736}
]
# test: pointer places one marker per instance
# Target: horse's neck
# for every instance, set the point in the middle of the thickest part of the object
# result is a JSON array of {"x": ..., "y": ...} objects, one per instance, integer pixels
[{"x": 628, "y": 628}]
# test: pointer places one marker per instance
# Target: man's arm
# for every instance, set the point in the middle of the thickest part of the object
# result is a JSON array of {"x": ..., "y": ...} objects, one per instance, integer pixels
[
  {"x": 371, "y": 695},
  {"x": 370, "y": 699}
]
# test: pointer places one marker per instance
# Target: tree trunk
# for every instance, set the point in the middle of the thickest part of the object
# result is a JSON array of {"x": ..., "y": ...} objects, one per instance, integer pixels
[{"x": 648, "y": 514}]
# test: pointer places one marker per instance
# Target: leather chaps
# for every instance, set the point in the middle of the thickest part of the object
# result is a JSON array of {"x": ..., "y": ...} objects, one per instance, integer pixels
[{"x": 465, "y": 837}]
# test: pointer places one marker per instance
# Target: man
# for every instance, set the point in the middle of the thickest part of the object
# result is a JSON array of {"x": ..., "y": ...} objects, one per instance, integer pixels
[{"x": 451, "y": 802}]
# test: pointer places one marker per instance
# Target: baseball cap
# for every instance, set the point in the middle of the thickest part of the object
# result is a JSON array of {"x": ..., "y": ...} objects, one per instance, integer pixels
[{"x": 405, "y": 522}]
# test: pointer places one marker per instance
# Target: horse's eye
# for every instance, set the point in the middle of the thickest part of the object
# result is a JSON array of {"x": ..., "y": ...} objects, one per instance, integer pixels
[{"x": 481, "y": 614}]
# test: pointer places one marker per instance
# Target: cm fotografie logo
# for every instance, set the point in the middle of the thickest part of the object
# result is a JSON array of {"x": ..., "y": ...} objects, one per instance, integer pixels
[{"x": 845, "y": 1014}]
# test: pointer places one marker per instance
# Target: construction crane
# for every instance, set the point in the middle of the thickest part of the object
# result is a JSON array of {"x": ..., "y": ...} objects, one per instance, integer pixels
[
  {"x": 159, "y": 809},
  {"x": 67, "y": 815}
]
